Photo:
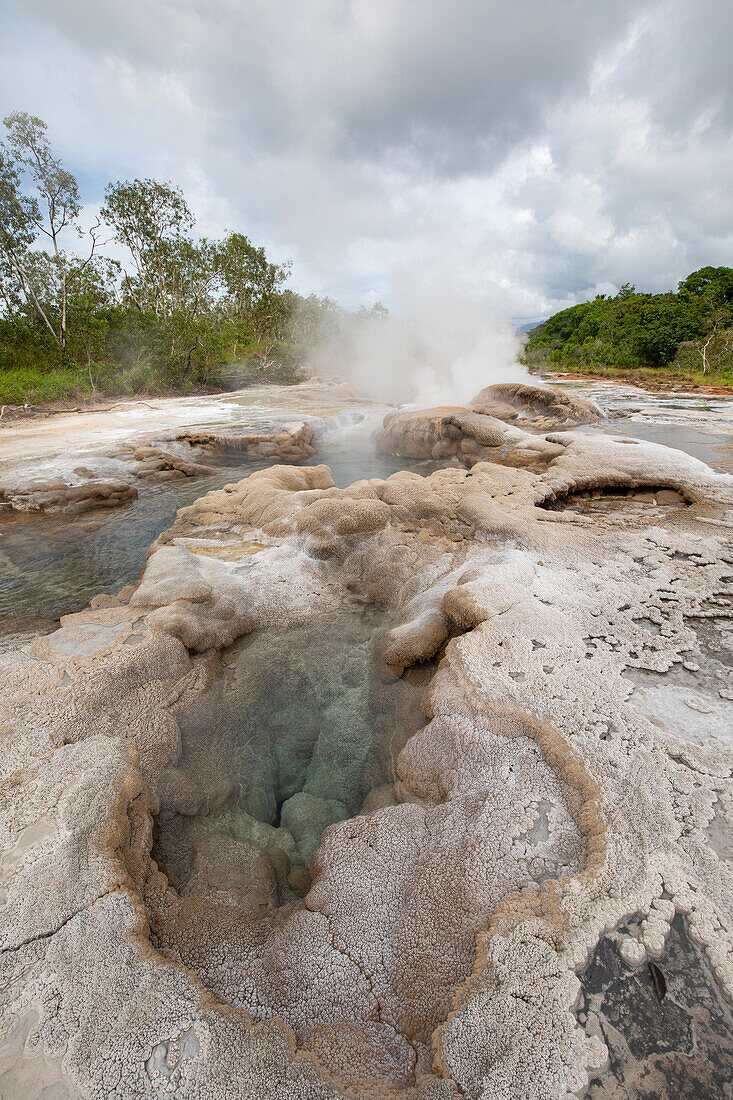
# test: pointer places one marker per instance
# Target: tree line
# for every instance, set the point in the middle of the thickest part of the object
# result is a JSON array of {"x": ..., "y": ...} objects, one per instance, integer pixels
[
  {"x": 177, "y": 316},
  {"x": 687, "y": 332}
]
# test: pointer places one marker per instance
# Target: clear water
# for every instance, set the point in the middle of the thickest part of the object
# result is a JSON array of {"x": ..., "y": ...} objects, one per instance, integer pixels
[
  {"x": 713, "y": 447},
  {"x": 299, "y": 726},
  {"x": 699, "y": 425},
  {"x": 53, "y": 565}
]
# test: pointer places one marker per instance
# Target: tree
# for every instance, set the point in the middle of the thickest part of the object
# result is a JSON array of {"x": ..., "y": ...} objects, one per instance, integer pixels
[
  {"x": 635, "y": 330},
  {"x": 715, "y": 284},
  {"x": 92, "y": 292},
  {"x": 311, "y": 320},
  {"x": 16, "y": 234},
  {"x": 251, "y": 286},
  {"x": 54, "y": 208},
  {"x": 150, "y": 219}
]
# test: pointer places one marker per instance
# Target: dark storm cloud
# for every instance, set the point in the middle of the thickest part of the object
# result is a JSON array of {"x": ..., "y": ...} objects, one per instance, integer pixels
[{"x": 567, "y": 145}]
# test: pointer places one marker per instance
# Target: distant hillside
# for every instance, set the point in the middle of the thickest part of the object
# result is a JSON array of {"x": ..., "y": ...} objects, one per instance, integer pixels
[{"x": 687, "y": 334}]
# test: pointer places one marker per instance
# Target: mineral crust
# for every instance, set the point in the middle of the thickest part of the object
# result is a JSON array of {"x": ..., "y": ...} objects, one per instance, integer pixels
[{"x": 550, "y": 793}]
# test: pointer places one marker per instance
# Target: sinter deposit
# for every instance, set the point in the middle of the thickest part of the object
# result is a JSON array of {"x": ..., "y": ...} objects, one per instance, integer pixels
[
  {"x": 538, "y": 407},
  {"x": 163, "y": 466},
  {"x": 502, "y": 424},
  {"x": 60, "y": 496},
  {"x": 290, "y": 443},
  {"x": 571, "y": 618}
]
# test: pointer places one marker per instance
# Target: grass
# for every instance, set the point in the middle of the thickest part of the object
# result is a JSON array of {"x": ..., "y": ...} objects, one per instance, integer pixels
[{"x": 28, "y": 386}]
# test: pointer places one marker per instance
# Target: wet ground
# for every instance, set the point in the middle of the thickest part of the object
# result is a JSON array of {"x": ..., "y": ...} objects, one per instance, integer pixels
[
  {"x": 699, "y": 425},
  {"x": 668, "y": 1037}
]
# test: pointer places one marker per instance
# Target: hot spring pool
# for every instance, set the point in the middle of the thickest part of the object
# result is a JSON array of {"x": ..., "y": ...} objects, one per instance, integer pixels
[{"x": 299, "y": 729}]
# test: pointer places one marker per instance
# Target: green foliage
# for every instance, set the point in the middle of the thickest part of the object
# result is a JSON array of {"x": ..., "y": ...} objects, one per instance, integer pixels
[
  {"x": 27, "y": 385},
  {"x": 187, "y": 314},
  {"x": 682, "y": 332},
  {"x": 714, "y": 285}
]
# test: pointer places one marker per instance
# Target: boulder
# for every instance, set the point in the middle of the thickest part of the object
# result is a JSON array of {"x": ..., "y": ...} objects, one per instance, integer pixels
[
  {"x": 157, "y": 463},
  {"x": 467, "y": 436}
]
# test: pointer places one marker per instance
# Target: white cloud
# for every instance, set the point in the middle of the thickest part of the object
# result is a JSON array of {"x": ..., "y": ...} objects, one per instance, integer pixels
[{"x": 558, "y": 148}]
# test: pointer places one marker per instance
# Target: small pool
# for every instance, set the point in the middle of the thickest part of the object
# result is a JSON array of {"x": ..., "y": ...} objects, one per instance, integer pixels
[{"x": 299, "y": 729}]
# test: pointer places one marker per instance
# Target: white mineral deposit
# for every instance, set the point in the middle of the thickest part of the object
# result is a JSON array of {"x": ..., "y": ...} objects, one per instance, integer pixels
[{"x": 224, "y": 865}]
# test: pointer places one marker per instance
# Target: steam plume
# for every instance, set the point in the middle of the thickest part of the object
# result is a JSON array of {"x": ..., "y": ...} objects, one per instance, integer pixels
[{"x": 448, "y": 340}]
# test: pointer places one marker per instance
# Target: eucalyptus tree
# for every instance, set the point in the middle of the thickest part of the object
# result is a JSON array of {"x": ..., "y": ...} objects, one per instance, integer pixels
[
  {"x": 39, "y": 198},
  {"x": 151, "y": 219},
  {"x": 251, "y": 286}
]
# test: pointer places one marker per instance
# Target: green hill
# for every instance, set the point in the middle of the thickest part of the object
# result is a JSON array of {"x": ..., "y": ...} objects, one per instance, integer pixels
[{"x": 684, "y": 336}]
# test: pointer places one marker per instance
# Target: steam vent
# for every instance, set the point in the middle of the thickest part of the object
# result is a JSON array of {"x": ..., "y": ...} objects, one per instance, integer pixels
[{"x": 419, "y": 788}]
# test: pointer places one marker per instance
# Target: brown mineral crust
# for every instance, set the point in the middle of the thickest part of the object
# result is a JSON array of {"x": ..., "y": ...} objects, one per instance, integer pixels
[
  {"x": 416, "y": 434},
  {"x": 497, "y": 427},
  {"x": 288, "y": 445},
  {"x": 264, "y": 500},
  {"x": 546, "y": 406},
  {"x": 154, "y": 462},
  {"x": 58, "y": 496},
  {"x": 416, "y": 641},
  {"x": 465, "y": 436}
]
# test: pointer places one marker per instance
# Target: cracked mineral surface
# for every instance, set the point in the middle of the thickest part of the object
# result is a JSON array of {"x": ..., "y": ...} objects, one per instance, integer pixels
[{"x": 208, "y": 893}]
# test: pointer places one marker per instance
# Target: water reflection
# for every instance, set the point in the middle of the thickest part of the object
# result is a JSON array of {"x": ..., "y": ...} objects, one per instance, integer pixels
[{"x": 713, "y": 447}]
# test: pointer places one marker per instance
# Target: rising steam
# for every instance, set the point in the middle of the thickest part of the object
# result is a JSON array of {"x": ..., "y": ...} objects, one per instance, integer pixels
[{"x": 448, "y": 341}]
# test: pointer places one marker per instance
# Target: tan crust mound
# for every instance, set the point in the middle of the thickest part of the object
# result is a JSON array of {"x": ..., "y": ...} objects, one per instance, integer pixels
[
  {"x": 58, "y": 496},
  {"x": 537, "y": 407},
  {"x": 415, "y": 434},
  {"x": 465, "y": 436},
  {"x": 430, "y": 950},
  {"x": 163, "y": 466},
  {"x": 291, "y": 444}
]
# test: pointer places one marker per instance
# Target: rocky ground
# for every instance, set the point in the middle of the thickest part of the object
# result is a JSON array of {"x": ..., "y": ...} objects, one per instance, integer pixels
[
  {"x": 88, "y": 492},
  {"x": 571, "y": 612},
  {"x": 292, "y": 443}
]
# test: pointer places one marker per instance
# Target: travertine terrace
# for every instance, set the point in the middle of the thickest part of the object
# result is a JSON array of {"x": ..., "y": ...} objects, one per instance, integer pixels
[
  {"x": 291, "y": 443},
  {"x": 573, "y": 769}
]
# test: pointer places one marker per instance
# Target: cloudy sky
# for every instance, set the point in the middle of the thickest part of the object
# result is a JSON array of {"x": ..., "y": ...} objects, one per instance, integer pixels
[{"x": 546, "y": 149}]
